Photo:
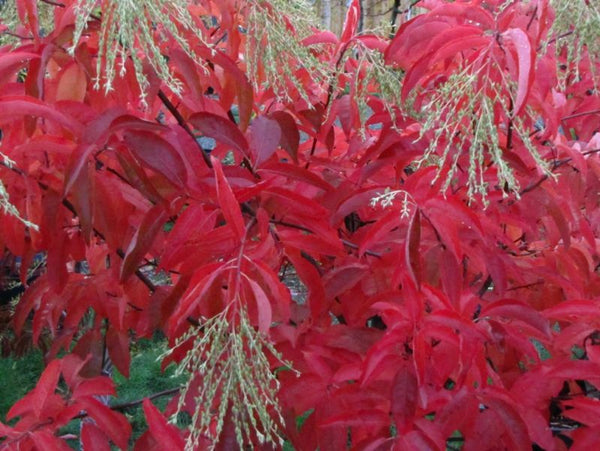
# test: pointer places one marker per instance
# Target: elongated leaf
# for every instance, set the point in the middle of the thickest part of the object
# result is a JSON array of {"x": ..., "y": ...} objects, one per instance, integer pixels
[
  {"x": 200, "y": 284},
  {"x": 221, "y": 129},
  {"x": 412, "y": 248},
  {"x": 12, "y": 107},
  {"x": 92, "y": 438},
  {"x": 117, "y": 342},
  {"x": 13, "y": 60},
  {"x": 265, "y": 135},
  {"x": 157, "y": 154},
  {"x": 342, "y": 279},
  {"x": 321, "y": 37},
  {"x": 574, "y": 310},
  {"x": 263, "y": 306},
  {"x": 518, "y": 310},
  {"x": 72, "y": 84},
  {"x": 290, "y": 136},
  {"x": 404, "y": 398},
  {"x": 526, "y": 59},
  {"x": 143, "y": 238},
  {"x": 296, "y": 173},
  {"x": 36, "y": 399},
  {"x": 110, "y": 422},
  {"x": 228, "y": 202},
  {"x": 164, "y": 433},
  {"x": 351, "y": 22},
  {"x": 312, "y": 244},
  {"x": 94, "y": 387}
]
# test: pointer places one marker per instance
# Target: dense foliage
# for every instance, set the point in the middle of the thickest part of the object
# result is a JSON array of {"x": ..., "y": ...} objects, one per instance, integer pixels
[{"x": 437, "y": 194}]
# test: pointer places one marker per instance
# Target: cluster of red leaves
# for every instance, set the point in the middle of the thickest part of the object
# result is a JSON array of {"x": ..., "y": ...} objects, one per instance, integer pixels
[{"x": 417, "y": 332}]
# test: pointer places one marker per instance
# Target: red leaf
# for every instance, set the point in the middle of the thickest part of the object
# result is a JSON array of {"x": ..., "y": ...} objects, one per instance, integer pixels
[
  {"x": 290, "y": 136},
  {"x": 518, "y": 310},
  {"x": 311, "y": 278},
  {"x": 200, "y": 284},
  {"x": 526, "y": 59},
  {"x": 221, "y": 129},
  {"x": 448, "y": 50},
  {"x": 164, "y": 433},
  {"x": 10, "y": 62},
  {"x": 36, "y": 400},
  {"x": 82, "y": 199},
  {"x": 514, "y": 426},
  {"x": 12, "y": 107},
  {"x": 92, "y": 438},
  {"x": 296, "y": 202},
  {"x": 342, "y": 279},
  {"x": 370, "y": 419},
  {"x": 94, "y": 131},
  {"x": 404, "y": 398},
  {"x": 320, "y": 37},
  {"x": 100, "y": 385},
  {"x": 351, "y": 22},
  {"x": 583, "y": 410},
  {"x": 265, "y": 314},
  {"x": 117, "y": 342},
  {"x": 72, "y": 84},
  {"x": 157, "y": 154},
  {"x": 466, "y": 12},
  {"x": 296, "y": 172},
  {"x": 265, "y": 135},
  {"x": 238, "y": 79},
  {"x": 47, "y": 441},
  {"x": 228, "y": 202},
  {"x": 113, "y": 424},
  {"x": 412, "y": 248},
  {"x": 574, "y": 310},
  {"x": 312, "y": 244},
  {"x": 143, "y": 238}
]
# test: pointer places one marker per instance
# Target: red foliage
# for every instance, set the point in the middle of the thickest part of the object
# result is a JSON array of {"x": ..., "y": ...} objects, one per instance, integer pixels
[{"x": 419, "y": 327}]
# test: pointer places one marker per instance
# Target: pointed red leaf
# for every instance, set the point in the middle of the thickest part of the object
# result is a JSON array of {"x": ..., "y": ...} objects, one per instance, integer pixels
[
  {"x": 351, "y": 22},
  {"x": 110, "y": 422},
  {"x": 96, "y": 386},
  {"x": 164, "y": 433},
  {"x": 117, "y": 342},
  {"x": 265, "y": 314},
  {"x": 143, "y": 238},
  {"x": 157, "y": 154},
  {"x": 72, "y": 84},
  {"x": 92, "y": 438},
  {"x": 11, "y": 107},
  {"x": 412, "y": 248},
  {"x": 290, "y": 136},
  {"x": 221, "y": 129},
  {"x": 404, "y": 398},
  {"x": 227, "y": 201},
  {"x": 265, "y": 135},
  {"x": 526, "y": 60}
]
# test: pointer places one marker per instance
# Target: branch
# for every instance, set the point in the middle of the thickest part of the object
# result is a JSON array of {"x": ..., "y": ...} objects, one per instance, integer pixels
[
  {"x": 50, "y": 2},
  {"x": 583, "y": 113},
  {"x": 127, "y": 405}
]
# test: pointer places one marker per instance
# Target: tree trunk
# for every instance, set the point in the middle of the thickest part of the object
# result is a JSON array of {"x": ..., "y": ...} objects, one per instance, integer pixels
[
  {"x": 361, "y": 16},
  {"x": 326, "y": 14},
  {"x": 395, "y": 11}
]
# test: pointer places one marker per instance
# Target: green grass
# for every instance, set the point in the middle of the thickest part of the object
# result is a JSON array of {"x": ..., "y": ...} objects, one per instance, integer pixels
[{"x": 18, "y": 376}]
